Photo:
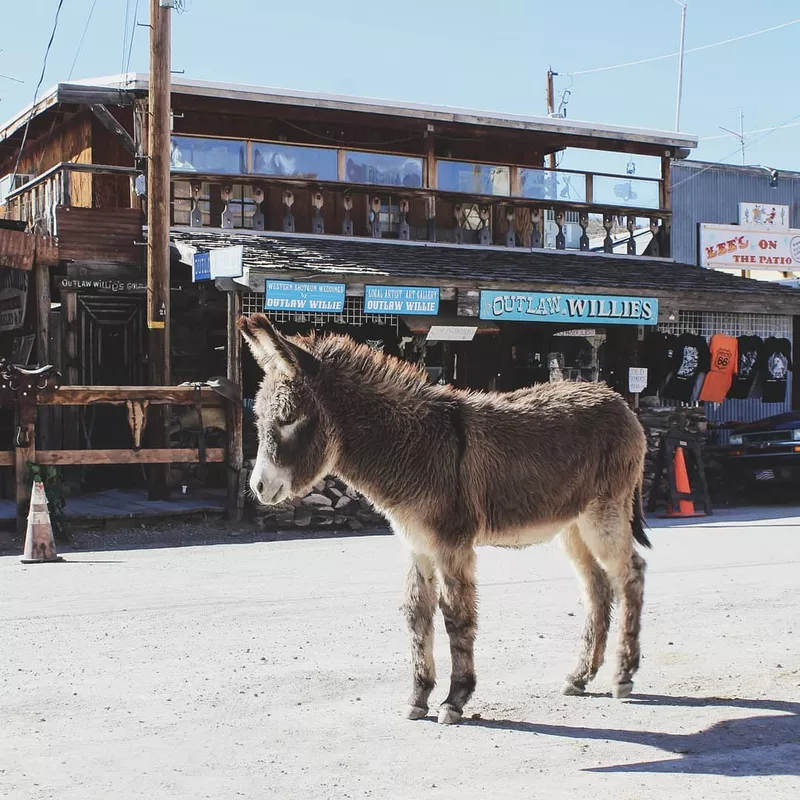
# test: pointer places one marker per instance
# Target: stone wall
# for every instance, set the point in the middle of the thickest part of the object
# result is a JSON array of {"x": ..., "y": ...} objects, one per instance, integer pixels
[{"x": 329, "y": 504}]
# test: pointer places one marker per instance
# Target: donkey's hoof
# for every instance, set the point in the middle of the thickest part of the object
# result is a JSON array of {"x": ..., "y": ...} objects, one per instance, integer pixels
[
  {"x": 416, "y": 712},
  {"x": 571, "y": 689},
  {"x": 621, "y": 690},
  {"x": 448, "y": 715}
]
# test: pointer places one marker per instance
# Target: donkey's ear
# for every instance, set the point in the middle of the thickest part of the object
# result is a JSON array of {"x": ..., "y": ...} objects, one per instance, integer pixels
[{"x": 270, "y": 348}]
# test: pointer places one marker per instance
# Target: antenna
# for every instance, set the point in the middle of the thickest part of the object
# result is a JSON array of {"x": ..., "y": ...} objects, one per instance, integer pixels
[{"x": 740, "y": 135}]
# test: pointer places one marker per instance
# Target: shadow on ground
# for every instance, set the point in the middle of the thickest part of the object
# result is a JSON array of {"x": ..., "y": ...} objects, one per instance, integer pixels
[{"x": 761, "y": 745}]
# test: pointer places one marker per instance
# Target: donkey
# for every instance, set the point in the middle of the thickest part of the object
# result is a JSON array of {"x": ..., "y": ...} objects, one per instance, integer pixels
[{"x": 452, "y": 469}]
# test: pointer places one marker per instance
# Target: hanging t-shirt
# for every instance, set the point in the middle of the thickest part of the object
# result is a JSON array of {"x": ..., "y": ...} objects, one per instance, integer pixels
[
  {"x": 658, "y": 353},
  {"x": 747, "y": 366},
  {"x": 776, "y": 362},
  {"x": 690, "y": 360},
  {"x": 724, "y": 354}
]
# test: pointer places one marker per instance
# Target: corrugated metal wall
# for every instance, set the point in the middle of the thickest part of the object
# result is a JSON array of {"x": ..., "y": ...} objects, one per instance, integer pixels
[{"x": 712, "y": 192}]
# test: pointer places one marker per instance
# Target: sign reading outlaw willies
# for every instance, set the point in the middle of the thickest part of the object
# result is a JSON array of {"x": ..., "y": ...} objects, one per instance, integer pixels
[{"x": 557, "y": 307}]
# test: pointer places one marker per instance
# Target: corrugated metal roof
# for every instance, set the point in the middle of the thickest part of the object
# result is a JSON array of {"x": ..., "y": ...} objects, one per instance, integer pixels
[{"x": 704, "y": 192}]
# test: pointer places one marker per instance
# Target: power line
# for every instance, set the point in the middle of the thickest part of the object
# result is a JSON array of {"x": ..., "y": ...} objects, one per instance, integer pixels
[
  {"x": 36, "y": 92},
  {"x": 80, "y": 43},
  {"x": 690, "y": 50},
  {"x": 768, "y": 131},
  {"x": 750, "y": 133},
  {"x": 133, "y": 35}
]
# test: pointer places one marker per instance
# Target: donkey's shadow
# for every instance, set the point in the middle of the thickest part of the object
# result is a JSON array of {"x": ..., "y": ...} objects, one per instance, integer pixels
[{"x": 766, "y": 744}]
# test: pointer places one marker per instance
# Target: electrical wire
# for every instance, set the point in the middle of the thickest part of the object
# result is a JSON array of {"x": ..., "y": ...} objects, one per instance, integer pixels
[
  {"x": 750, "y": 133},
  {"x": 80, "y": 43},
  {"x": 133, "y": 36},
  {"x": 125, "y": 35},
  {"x": 36, "y": 92},
  {"x": 758, "y": 139},
  {"x": 690, "y": 50}
]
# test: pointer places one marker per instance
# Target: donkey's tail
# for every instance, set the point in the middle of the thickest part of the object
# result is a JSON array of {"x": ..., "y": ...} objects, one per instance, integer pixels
[{"x": 638, "y": 522}]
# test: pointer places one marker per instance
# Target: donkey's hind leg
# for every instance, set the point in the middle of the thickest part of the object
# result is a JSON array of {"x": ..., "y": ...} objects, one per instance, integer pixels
[
  {"x": 419, "y": 607},
  {"x": 608, "y": 535},
  {"x": 459, "y": 608},
  {"x": 599, "y": 598}
]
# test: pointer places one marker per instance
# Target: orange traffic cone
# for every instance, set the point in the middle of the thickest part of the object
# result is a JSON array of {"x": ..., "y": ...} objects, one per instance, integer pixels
[
  {"x": 39, "y": 544},
  {"x": 685, "y": 507}
]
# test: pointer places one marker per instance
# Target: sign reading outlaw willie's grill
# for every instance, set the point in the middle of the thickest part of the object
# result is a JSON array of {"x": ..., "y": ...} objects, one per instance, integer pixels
[{"x": 557, "y": 307}]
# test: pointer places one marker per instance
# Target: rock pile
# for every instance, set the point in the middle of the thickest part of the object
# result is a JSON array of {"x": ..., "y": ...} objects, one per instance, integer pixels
[{"x": 329, "y": 504}]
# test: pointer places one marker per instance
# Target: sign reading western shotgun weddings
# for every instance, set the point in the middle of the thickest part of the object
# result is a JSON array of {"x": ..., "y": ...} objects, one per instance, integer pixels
[
  {"x": 556, "y": 307},
  {"x": 736, "y": 247},
  {"x": 304, "y": 296},
  {"x": 423, "y": 300}
]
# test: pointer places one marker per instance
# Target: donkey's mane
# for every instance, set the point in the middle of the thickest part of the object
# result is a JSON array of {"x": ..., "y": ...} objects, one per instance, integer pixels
[{"x": 362, "y": 363}]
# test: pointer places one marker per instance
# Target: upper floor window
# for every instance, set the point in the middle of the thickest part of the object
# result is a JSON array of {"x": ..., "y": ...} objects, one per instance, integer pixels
[
  {"x": 541, "y": 184},
  {"x": 459, "y": 176},
  {"x": 383, "y": 170},
  {"x": 208, "y": 156},
  {"x": 294, "y": 161}
]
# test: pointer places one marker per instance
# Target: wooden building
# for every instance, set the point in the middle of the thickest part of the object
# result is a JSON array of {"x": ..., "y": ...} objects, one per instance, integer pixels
[{"x": 436, "y": 233}]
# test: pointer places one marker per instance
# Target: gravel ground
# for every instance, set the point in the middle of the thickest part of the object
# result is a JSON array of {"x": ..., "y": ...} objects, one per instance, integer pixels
[{"x": 278, "y": 669}]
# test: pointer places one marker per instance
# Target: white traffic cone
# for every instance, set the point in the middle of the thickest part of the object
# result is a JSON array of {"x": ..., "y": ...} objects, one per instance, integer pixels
[{"x": 39, "y": 544}]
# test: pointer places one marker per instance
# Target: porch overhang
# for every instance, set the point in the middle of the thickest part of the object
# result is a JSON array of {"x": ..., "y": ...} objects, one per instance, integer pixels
[{"x": 466, "y": 269}]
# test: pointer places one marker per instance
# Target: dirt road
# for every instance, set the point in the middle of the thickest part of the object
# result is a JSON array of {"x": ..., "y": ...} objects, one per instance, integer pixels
[{"x": 279, "y": 670}]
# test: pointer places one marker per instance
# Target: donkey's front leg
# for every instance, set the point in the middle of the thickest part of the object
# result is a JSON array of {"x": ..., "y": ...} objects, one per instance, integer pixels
[
  {"x": 419, "y": 607},
  {"x": 459, "y": 607}
]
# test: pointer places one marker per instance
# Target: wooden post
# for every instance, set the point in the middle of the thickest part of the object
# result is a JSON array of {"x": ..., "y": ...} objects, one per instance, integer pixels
[
  {"x": 430, "y": 183},
  {"x": 42, "y": 277},
  {"x": 235, "y": 447},
  {"x": 70, "y": 333},
  {"x": 551, "y": 109},
  {"x": 24, "y": 451},
  {"x": 158, "y": 230}
]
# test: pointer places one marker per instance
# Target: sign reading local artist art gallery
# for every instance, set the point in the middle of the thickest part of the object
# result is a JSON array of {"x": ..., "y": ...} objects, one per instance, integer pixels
[
  {"x": 304, "y": 296},
  {"x": 737, "y": 247},
  {"x": 423, "y": 300},
  {"x": 557, "y": 307}
]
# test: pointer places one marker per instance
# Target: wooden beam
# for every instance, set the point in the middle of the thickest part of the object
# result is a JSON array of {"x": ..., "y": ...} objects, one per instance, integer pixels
[
  {"x": 110, "y": 123},
  {"x": 7, "y": 458},
  {"x": 147, "y": 456},
  {"x": 157, "y": 395}
]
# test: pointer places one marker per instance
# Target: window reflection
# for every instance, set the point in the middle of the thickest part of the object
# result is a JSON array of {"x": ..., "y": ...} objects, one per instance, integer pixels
[
  {"x": 541, "y": 184},
  {"x": 383, "y": 170},
  {"x": 458, "y": 176},
  {"x": 211, "y": 156},
  {"x": 294, "y": 161},
  {"x": 619, "y": 191}
]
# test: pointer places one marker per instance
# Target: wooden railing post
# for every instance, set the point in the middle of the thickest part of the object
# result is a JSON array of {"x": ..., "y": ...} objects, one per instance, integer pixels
[{"x": 24, "y": 451}]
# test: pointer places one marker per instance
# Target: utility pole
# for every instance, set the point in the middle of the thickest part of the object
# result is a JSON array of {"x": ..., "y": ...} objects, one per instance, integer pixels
[
  {"x": 682, "y": 4},
  {"x": 158, "y": 165},
  {"x": 551, "y": 109}
]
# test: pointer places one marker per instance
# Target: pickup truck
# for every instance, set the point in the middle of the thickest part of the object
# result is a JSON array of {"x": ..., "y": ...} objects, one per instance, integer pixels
[{"x": 766, "y": 451}]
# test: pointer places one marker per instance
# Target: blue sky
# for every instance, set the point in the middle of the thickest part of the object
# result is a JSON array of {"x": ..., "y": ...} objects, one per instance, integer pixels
[{"x": 491, "y": 56}]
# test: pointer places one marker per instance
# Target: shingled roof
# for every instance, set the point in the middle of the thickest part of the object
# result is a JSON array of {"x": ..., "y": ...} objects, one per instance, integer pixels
[{"x": 390, "y": 261}]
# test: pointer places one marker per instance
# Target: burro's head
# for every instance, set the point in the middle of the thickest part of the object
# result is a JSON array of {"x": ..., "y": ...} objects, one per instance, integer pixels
[{"x": 293, "y": 441}]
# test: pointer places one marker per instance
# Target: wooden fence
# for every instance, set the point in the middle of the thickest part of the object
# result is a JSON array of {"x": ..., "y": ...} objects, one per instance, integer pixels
[{"x": 138, "y": 399}]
